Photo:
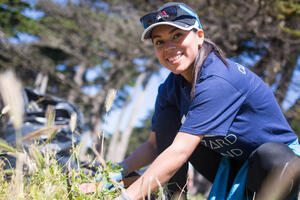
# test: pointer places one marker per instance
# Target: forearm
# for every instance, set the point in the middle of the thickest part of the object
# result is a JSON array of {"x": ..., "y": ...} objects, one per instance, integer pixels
[
  {"x": 142, "y": 156},
  {"x": 165, "y": 165},
  {"x": 140, "y": 188}
]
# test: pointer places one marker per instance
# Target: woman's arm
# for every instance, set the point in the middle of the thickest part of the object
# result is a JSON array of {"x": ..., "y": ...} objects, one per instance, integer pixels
[
  {"x": 143, "y": 155},
  {"x": 165, "y": 165}
]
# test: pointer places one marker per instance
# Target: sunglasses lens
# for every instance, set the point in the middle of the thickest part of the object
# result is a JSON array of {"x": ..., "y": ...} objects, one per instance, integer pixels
[
  {"x": 171, "y": 11},
  {"x": 148, "y": 19},
  {"x": 166, "y": 14}
]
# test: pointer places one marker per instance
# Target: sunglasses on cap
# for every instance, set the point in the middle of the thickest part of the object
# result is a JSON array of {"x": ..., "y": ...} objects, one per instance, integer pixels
[{"x": 167, "y": 14}]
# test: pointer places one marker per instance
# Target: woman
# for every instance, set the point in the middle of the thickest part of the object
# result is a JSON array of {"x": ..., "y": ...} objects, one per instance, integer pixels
[{"x": 209, "y": 108}]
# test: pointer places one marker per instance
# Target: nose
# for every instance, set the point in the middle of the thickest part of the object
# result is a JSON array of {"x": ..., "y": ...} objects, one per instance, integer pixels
[{"x": 169, "y": 45}]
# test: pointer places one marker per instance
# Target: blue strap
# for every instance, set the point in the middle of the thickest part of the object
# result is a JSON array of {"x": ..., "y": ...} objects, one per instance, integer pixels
[
  {"x": 219, "y": 187},
  {"x": 295, "y": 147},
  {"x": 239, "y": 184}
]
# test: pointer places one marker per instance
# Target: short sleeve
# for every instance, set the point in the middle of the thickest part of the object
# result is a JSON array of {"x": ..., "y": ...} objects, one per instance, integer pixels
[{"x": 213, "y": 108}]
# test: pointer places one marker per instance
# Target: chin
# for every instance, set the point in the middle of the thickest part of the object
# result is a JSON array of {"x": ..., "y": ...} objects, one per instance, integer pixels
[
  {"x": 176, "y": 72},
  {"x": 179, "y": 71}
]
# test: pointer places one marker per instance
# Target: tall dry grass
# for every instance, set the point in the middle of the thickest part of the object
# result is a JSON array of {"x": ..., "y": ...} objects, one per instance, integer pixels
[{"x": 37, "y": 174}]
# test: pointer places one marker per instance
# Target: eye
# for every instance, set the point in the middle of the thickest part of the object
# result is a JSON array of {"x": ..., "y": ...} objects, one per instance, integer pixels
[
  {"x": 177, "y": 35},
  {"x": 158, "y": 42}
]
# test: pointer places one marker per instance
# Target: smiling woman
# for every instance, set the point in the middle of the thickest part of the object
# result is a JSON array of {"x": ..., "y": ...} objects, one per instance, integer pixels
[
  {"x": 211, "y": 112},
  {"x": 177, "y": 49}
]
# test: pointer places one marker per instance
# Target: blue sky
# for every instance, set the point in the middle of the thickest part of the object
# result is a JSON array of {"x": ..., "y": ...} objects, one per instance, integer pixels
[{"x": 145, "y": 108}]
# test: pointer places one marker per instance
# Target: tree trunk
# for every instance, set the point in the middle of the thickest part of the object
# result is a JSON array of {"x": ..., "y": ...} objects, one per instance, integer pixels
[
  {"x": 270, "y": 63},
  {"x": 293, "y": 112},
  {"x": 95, "y": 118},
  {"x": 111, "y": 155},
  {"x": 123, "y": 144},
  {"x": 286, "y": 76},
  {"x": 116, "y": 81},
  {"x": 41, "y": 82},
  {"x": 78, "y": 79}
]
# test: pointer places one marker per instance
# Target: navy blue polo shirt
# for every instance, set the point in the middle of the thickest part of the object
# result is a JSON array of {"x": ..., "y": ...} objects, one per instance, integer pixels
[{"x": 232, "y": 108}]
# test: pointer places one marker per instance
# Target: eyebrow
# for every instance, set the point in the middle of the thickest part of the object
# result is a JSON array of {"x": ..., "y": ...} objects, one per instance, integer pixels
[{"x": 170, "y": 32}]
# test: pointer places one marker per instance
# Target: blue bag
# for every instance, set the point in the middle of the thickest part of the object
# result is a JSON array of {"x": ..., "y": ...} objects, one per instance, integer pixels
[{"x": 219, "y": 188}]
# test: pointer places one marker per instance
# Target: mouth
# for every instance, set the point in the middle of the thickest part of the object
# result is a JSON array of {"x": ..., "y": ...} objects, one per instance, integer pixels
[{"x": 174, "y": 59}]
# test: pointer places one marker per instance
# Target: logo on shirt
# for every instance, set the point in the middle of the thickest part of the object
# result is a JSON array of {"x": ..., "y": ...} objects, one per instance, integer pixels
[
  {"x": 223, "y": 145},
  {"x": 183, "y": 119},
  {"x": 241, "y": 68}
]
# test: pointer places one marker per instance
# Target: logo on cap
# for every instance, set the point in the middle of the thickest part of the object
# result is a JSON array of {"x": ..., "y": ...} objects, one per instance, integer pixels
[{"x": 162, "y": 15}]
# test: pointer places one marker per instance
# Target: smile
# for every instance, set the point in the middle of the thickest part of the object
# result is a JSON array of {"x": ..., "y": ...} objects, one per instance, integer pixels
[{"x": 173, "y": 59}]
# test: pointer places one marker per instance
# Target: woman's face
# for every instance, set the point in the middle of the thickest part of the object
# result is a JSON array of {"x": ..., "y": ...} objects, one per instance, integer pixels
[{"x": 177, "y": 49}]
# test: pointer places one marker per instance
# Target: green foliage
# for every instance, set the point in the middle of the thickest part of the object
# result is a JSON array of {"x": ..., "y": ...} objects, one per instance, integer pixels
[
  {"x": 290, "y": 7},
  {"x": 288, "y": 14},
  {"x": 5, "y": 146},
  {"x": 290, "y": 31},
  {"x": 12, "y": 20},
  {"x": 45, "y": 179},
  {"x": 85, "y": 35}
]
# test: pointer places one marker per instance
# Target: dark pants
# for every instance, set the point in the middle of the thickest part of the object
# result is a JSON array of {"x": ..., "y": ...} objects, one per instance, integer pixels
[{"x": 262, "y": 161}]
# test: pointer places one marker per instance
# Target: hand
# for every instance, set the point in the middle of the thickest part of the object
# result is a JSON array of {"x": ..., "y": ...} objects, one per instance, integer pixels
[
  {"x": 87, "y": 188},
  {"x": 99, "y": 184},
  {"x": 125, "y": 169},
  {"x": 123, "y": 196},
  {"x": 115, "y": 176}
]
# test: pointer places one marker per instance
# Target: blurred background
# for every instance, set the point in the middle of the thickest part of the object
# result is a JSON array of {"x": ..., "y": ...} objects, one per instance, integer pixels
[{"x": 82, "y": 50}]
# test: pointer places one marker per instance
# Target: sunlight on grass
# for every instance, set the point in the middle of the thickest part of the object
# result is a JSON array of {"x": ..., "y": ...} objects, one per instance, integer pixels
[
  {"x": 36, "y": 174},
  {"x": 33, "y": 171}
]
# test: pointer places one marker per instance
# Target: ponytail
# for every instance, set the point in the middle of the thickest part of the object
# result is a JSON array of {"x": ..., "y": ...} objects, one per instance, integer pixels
[{"x": 207, "y": 47}]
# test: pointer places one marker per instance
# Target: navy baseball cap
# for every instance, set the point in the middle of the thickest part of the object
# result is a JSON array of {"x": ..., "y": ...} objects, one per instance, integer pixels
[{"x": 174, "y": 14}]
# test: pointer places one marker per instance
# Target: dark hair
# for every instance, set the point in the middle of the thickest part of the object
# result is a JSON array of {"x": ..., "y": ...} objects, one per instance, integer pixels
[{"x": 207, "y": 47}]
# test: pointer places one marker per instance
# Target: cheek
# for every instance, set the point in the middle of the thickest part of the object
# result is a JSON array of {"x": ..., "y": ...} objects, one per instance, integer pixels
[
  {"x": 159, "y": 55},
  {"x": 192, "y": 51},
  {"x": 192, "y": 45}
]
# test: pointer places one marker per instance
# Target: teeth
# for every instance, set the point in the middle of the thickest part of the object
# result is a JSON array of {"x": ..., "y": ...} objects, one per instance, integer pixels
[{"x": 174, "y": 58}]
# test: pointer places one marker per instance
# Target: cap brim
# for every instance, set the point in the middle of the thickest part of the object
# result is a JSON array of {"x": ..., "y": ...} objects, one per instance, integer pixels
[{"x": 147, "y": 32}]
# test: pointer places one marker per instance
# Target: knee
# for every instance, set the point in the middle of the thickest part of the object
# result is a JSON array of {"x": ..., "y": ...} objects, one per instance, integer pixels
[
  {"x": 266, "y": 159},
  {"x": 271, "y": 155}
]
